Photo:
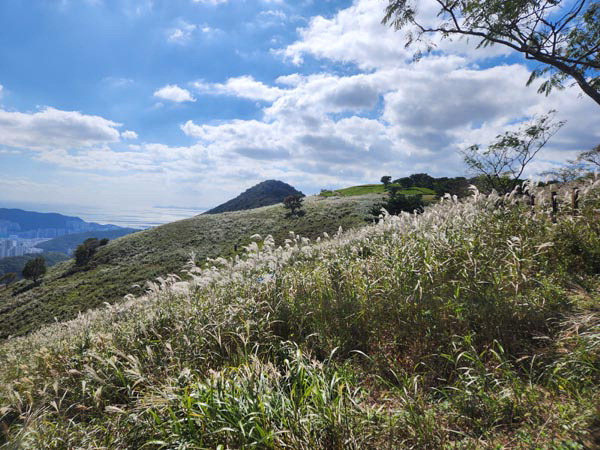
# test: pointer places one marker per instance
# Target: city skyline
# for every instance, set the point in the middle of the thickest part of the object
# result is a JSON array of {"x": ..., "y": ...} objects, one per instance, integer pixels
[{"x": 14, "y": 246}]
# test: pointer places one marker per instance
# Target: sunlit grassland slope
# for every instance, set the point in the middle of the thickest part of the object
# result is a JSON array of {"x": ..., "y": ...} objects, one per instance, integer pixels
[
  {"x": 367, "y": 189},
  {"x": 136, "y": 258},
  {"x": 473, "y": 325}
]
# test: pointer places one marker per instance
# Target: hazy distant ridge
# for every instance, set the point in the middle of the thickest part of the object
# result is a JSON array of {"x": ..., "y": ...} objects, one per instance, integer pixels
[{"x": 29, "y": 224}]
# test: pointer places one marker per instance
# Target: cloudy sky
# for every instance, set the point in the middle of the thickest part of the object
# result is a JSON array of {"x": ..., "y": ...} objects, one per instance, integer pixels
[{"x": 187, "y": 102}]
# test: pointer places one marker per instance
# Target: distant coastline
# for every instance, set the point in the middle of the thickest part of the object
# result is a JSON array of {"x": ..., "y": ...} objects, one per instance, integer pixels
[{"x": 140, "y": 218}]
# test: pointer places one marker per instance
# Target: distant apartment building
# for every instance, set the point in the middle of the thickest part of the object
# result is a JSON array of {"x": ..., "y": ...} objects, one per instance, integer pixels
[
  {"x": 17, "y": 247},
  {"x": 5, "y": 245}
]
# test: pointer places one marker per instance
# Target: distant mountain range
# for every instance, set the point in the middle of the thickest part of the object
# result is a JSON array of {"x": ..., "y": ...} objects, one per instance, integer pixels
[
  {"x": 31, "y": 225},
  {"x": 267, "y": 193}
]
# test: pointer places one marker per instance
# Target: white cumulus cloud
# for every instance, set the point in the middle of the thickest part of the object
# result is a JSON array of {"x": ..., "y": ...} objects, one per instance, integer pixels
[
  {"x": 409, "y": 117},
  {"x": 356, "y": 35},
  {"x": 379, "y": 114},
  {"x": 52, "y": 128},
  {"x": 174, "y": 93},
  {"x": 128, "y": 134},
  {"x": 182, "y": 33},
  {"x": 244, "y": 87}
]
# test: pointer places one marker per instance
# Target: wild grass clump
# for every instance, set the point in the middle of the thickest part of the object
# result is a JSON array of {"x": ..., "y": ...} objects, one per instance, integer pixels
[
  {"x": 474, "y": 324},
  {"x": 294, "y": 402}
]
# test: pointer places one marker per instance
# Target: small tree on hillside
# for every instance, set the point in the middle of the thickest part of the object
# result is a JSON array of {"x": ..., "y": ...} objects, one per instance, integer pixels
[
  {"x": 398, "y": 203},
  {"x": 563, "y": 174},
  {"x": 393, "y": 190},
  {"x": 503, "y": 162},
  {"x": 386, "y": 180},
  {"x": 34, "y": 269},
  {"x": 293, "y": 203},
  {"x": 85, "y": 251}
]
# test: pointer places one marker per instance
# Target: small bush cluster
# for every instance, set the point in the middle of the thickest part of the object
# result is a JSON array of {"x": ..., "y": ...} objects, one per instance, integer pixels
[{"x": 34, "y": 269}]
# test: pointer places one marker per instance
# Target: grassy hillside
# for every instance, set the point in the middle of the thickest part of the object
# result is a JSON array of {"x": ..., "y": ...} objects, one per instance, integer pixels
[
  {"x": 145, "y": 255},
  {"x": 67, "y": 243},
  {"x": 469, "y": 326},
  {"x": 373, "y": 189}
]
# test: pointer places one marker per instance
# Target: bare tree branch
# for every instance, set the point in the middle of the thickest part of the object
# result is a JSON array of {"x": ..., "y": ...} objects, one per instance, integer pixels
[
  {"x": 564, "y": 37},
  {"x": 505, "y": 160}
]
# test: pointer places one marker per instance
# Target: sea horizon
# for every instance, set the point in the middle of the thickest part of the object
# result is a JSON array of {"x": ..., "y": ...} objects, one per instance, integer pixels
[{"x": 140, "y": 218}]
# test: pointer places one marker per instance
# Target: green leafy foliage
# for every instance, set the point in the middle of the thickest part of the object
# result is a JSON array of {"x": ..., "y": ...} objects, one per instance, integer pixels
[
  {"x": 34, "y": 269},
  {"x": 397, "y": 203},
  {"x": 408, "y": 203},
  {"x": 424, "y": 184},
  {"x": 85, "y": 251},
  {"x": 294, "y": 204},
  {"x": 386, "y": 179},
  {"x": 292, "y": 402}
]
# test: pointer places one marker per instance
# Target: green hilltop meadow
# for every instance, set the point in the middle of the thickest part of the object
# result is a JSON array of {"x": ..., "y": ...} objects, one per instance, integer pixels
[
  {"x": 376, "y": 189},
  {"x": 474, "y": 324}
]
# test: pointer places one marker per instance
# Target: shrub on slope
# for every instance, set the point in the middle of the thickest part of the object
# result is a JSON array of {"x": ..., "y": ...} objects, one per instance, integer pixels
[{"x": 457, "y": 327}]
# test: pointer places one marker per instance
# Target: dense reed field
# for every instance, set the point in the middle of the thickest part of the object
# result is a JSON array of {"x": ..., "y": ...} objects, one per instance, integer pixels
[{"x": 473, "y": 325}]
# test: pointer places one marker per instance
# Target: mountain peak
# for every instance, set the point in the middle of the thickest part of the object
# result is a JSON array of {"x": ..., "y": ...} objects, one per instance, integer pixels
[{"x": 265, "y": 193}]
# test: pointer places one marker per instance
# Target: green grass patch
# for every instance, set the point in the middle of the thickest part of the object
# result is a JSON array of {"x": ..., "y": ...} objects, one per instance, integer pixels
[{"x": 373, "y": 189}]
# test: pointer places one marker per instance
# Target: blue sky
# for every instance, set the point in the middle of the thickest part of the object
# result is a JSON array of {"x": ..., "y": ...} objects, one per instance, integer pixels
[
  {"x": 107, "y": 57},
  {"x": 188, "y": 102}
]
